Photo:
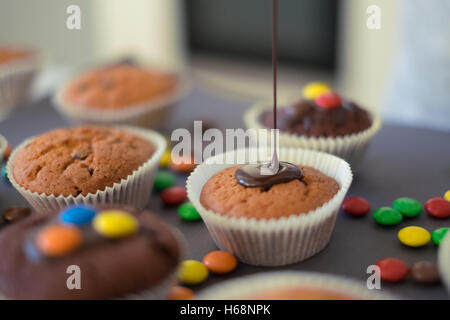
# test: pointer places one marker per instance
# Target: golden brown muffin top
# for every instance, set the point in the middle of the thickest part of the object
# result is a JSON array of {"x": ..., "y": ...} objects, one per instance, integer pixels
[
  {"x": 301, "y": 294},
  {"x": 118, "y": 86},
  {"x": 8, "y": 54},
  {"x": 79, "y": 160},
  {"x": 224, "y": 195}
]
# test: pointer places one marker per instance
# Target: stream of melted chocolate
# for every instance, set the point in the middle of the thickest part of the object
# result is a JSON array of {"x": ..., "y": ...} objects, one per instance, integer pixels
[{"x": 275, "y": 172}]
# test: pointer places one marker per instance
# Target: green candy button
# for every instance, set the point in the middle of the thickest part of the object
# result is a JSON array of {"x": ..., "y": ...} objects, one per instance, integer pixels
[
  {"x": 408, "y": 207},
  {"x": 439, "y": 234},
  {"x": 164, "y": 180},
  {"x": 387, "y": 216},
  {"x": 188, "y": 212}
]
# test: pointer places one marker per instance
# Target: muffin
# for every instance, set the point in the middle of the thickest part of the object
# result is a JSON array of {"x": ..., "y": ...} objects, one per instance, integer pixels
[
  {"x": 121, "y": 93},
  {"x": 17, "y": 69},
  {"x": 285, "y": 224},
  {"x": 291, "y": 286},
  {"x": 119, "y": 251},
  {"x": 444, "y": 261},
  {"x": 322, "y": 121},
  {"x": 86, "y": 164}
]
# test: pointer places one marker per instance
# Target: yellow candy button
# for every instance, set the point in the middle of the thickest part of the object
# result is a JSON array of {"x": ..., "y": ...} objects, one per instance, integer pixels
[
  {"x": 447, "y": 195},
  {"x": 314, "y": 89},
  {"x": 414, "y": 236},
  {"x": 192, "y": 272},
  {"x": 115, "y": 223},
  {"x": 165, "y": 159}
]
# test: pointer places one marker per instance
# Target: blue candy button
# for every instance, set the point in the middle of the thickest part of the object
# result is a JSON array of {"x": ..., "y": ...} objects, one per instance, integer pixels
[{"x": 78, "y": 215}]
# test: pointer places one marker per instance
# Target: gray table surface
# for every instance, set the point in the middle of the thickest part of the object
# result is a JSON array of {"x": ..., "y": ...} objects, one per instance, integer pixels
[{"x": 401, "y": 161}]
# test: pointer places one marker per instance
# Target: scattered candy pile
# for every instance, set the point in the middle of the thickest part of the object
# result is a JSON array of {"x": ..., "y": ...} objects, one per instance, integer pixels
[{"x": 393, "y": 269}]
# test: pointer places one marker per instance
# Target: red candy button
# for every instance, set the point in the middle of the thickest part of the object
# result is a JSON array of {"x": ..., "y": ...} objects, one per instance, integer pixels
[
  {"x": 392, "y": 269},
  {"x": 174, "y": 195},
  {"x": 356, "y": 206},
  {"x": 438, "y": 208},
  {"x": 329, "y": 100}
]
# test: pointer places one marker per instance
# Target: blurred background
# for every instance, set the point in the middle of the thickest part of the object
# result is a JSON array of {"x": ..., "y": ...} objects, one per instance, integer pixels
[{"x": 402, "y": 69}]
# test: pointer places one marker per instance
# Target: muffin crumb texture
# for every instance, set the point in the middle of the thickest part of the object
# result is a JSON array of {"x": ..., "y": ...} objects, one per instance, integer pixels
[
  {"x": 118, "y": 86},
  {"x": 79, "y": 160},
  {"x": 224, "y": 195}
]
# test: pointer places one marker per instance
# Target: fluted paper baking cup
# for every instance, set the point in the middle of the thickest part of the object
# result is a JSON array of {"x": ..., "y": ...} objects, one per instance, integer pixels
[
  {"x": 444, "y": 261},
  {"x": 134, "y": 190},
  {"x": 255, "y": 285},
  {"x": 16, "y": 78},
  {"x": 148, "y": 114},
  {"x": 350, "y": 147},
  {"x": 278, "y": 241},
  {"x": 3, "y": 146}
]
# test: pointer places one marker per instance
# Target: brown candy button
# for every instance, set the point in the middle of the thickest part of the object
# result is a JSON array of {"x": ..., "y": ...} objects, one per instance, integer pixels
[
  {"x": 425, "y": 272},
  {"x": 14, "y": 214}
]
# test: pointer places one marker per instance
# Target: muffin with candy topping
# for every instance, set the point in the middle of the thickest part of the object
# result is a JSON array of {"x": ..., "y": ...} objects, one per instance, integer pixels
[
  {"x": 89, "y": 164},
  {"x": 115, "y": 251},
  {"x": 17, "y": 69},
  {"x": 322, "y": 121},
  {"x": 123, "y": 93},
  {"x": 270, "y": 220}
]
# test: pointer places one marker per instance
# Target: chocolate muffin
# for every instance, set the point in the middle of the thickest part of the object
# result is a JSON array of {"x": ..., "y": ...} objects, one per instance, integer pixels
[
  {"x": 117, "y": 86},
  {"x": 79, "y": 160},
  {"x": 138, "y": 259},
  {"x": 306, "y": 118},
  {"x": 223, "y": 194}
]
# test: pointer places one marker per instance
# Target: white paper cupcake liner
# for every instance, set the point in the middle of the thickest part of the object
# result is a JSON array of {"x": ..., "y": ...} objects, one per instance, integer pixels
[
  {"x": 3, "y": 146},
  {"x": 255, "y": 285},
  {"x": 16, "y": 78},
  {"x": 350, "y": 147},
  {"x": 274, "y": 242},
  {"x": 133, "y": 190},
  {"x": 444, "y": 261},
  {"x": 147, "y": 114}
]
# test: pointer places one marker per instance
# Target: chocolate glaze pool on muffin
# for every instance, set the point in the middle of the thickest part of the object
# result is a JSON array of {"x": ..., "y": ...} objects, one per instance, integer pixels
[
  {"x": 110, "y": 268},
  {"x": 79, "y": 160},
  {"x": 223, "y": 194}
]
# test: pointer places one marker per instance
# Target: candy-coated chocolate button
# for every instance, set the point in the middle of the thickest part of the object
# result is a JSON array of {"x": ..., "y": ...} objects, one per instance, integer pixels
[
  {"x": 4, "y": 174},
  {"x": 314, "y": 89},
  {"x": 387, "y": 216},
  {"x": 14, "y": 214},
  {"x": 173, "y": 195},
  {"x": 439, "y": 234},
  {"x": 115, "y": 223},
  {"x": 425, "y": 272},
  {"x": 181, "y": 293},
  {"x": 188, "y": 212},
  {"x": 407, "y": 207},
  {"x": 392, "y": 269},
  {"x": 355, "y": 206},
  {"x": 7, "y": 153},
  {"x": 163, "y": 180},
  {"x": 414, "y": 236},
  {"x": 447, "y": 195},
  {"x": 58, "y": 240},
  {"x": 192, "y": 272},
  {"x": 438, "y": 208},
  {"x": 182, "y": 164},
  {"x": 329, "y": 100},
  {"x": 220, "y": 262},
  {"x": 165, "y": 159},
  {"x": 77, "y": 215}
]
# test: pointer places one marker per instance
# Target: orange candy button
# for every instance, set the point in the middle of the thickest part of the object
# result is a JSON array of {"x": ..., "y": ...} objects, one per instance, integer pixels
[
  {"x": 58, "y": 240},
  {"x": 181, "y": 293},
  {"x": 220, "y": 262},
  {"x": 182, "y": 164}
]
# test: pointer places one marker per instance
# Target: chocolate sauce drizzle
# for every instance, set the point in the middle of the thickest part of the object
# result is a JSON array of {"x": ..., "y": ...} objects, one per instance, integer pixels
[{"x": 275, "y": 172}]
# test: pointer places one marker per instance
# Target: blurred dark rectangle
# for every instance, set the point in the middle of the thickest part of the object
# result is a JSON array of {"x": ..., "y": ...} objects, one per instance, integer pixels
[{"x": 306, "y": 28}]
